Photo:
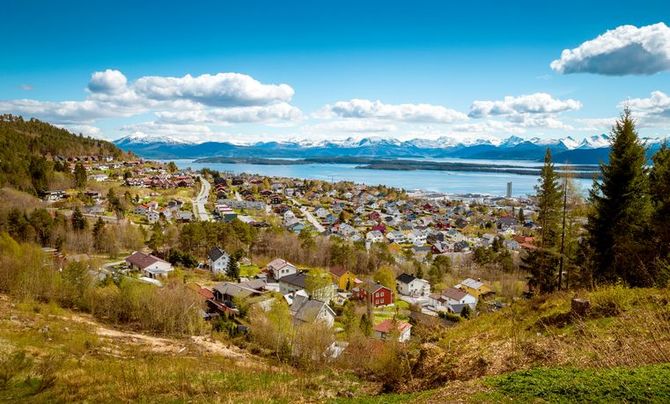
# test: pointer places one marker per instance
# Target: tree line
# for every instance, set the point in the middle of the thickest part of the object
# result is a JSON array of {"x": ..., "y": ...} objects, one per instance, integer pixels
[{"x": 626, "y": 237}]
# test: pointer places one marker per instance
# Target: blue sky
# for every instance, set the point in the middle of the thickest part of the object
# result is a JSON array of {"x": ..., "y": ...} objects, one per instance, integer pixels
[{"x": 325, "y": 70}]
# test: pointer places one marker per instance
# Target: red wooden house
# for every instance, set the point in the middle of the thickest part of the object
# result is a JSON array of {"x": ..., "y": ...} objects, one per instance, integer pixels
[{"x": 375, "y": 293}]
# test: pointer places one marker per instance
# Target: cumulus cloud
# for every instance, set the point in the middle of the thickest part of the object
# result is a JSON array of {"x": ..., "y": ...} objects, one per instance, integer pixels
[
  {"x": 359, "y": 108},
  {"x": 352, "y": 126},
  {"x": 658, "y": 104},
  {"x": 220, "y": 98},
  {"x": 220, "y": 90},
  {"x": 61, "y": 111},
  {"x": 621, "y": 51},
  {"x": 86, "y": 130},
  {"x": 109, "y": 82},
  {"x": 537, "y": 103},
  {"x": 269, "y": 113}
]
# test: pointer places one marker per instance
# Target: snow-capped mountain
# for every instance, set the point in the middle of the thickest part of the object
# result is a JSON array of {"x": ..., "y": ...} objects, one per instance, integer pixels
[
  {"x": 140, "y": 138},
  {"x": 567, "y": 149},
  {"x": 595, "y": 142}
]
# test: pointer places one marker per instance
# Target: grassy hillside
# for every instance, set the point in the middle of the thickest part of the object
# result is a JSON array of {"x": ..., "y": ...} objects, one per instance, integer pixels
[
  {"x": 537, "y": 350},
  {"x": 48, "y": 354},
  {"x": 27, "y": 146},
  {"x": 531, "y": 352}
]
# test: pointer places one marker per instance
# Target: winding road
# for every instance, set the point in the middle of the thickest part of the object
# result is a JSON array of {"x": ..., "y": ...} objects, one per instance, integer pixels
[{"x": 199, "y": 201}]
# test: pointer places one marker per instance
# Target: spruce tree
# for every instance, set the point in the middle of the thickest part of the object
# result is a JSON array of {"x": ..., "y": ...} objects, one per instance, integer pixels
[
  {"x": 80, "y": 176},
  {"x": 618, "y": 224},
  {"x": 659, "y": 179},
  {"x": 542, "y": 264},
  {"x": 549, "y": 196}
]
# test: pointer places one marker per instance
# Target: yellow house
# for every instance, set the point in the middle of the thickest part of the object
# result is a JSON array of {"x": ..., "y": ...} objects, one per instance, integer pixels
[
  {"x": 344, "y": 279},
  {"x": 474, "y": 287}
]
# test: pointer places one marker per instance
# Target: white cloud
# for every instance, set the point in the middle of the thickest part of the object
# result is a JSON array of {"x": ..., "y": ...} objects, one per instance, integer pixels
[
  {"x": 488, "y": 127},
  {"x": 657, "y": 104},
  {"x": 352, "y": 126},
  {"x": 359, "y": 108},
  {"x": 268, "y": 113},
  {"x": 219, "y": 90},
  {"x": 220, "y": 98},
  {"x": 86, "y": 130},
  {"x": 62, "y": 111},
  {"x": 537, "y": 103},
  {"x": 170, "y": 130},
  {"x": 622, "y": 51},
  {"x": 108, "y": 82}
]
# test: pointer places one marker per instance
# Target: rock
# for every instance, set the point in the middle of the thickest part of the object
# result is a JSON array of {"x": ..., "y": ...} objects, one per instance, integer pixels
[{"x": 580, "y": 307}]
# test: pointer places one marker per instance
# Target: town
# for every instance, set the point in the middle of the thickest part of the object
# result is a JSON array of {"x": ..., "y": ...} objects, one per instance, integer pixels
[{"x": 427, "y": 239}]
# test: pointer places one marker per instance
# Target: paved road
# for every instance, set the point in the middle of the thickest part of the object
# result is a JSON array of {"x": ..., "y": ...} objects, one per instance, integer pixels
[
  {"x": 199, "y": 201},
  {"x": 310, "y": 217}
]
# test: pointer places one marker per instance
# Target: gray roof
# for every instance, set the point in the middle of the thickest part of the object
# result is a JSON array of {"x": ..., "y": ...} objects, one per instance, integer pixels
[
  {"x": 215, "y": 253},
  {"x": 308, "y": 310},
  {"x": 297, "y": 279}
]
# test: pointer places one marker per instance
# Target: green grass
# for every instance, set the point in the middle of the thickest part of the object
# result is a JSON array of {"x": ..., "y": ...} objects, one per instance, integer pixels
[
  {"x": 249, "y": 270},
  {"x": 642, "y": 384}
]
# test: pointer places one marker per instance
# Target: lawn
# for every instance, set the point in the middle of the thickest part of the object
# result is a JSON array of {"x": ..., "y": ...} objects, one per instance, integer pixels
[{"x": 249, "y": 270}]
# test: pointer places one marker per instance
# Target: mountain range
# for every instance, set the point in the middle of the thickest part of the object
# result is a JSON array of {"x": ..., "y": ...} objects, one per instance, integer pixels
[{"x": 590, "y": 150}]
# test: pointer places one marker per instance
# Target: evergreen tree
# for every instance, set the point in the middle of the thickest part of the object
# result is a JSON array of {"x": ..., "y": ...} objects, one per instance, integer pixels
[
  {"x": 80, "y": 176},
  {"x": 522, "y": 217},
  {"x": 98, "y": 229},
  {"x": 659, "y": 179},
  {"x": 78, "y": 220},
  {"x": 542, "y": 264},
  {"x": 619, "y": 221},
  {"x": 549, "y": 196},
  {"x": 233, "y": 267}
]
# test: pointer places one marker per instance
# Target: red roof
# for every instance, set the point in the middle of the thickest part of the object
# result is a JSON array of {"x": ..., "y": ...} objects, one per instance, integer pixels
[{"x": 385, "y": 326}]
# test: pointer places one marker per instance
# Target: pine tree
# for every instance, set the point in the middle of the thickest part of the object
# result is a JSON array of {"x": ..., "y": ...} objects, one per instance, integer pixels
[
  {"x": 619, "y": 221},
  {"x": 233, "y": 268},
  {"x": 78, "y": 220},
  {"x": 98, "y": 229},
  {"x": 549, "y": 196},
  {"x": 659, "y": 179},
  {"x": 80, "y": 176},
  {"x": 542, "y": 264}
]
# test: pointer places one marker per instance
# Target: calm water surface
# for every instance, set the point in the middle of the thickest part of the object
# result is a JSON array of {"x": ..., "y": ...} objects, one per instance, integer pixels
[{"x": 451, "y": 182}]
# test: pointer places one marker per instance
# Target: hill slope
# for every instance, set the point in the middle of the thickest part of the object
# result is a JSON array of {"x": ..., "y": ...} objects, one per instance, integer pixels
[{"x": 28, "y": 146}]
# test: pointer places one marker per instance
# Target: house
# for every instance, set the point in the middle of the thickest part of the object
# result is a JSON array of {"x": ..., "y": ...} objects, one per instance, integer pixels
[
  {"x": 375, "y": 236},
  {"x": 152, "y": 216},
  {"x": 279, "y": 268},
  {"x": 230, "y": 293},
  {"x": 409, "y": 285},
  {"x": 453, "y": 300},
  {"x": 308, "y": 311},
  {"x": 388, "y": 327},
  {"x": 218, "y": 260},
  {"x": 375, "y": 293},
  {"x": 150, "y": 266},
  {"x": 298, "y": 281},
  {"x": 474, "y": 287},
  {"x": 292, "y": 283},
  {"x": 344, "y": 279}
]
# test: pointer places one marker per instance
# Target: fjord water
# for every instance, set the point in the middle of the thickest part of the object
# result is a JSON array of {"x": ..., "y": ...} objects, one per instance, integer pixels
[{"x": 449, "y": 182}]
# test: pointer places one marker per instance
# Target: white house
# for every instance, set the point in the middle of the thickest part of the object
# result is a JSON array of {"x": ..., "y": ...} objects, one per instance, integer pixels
[
  {"x": 218, "y": 260},
  {"x": 375, "y": 236},
  {"x": 150, "y": 266},
  {"x": 305, "y": 311},
  {"x": 409, "y": 285},
  {"x": 280, "y": 268},
  {"x": 384, "y": 329},
  {"x": 453, "y": 300}
]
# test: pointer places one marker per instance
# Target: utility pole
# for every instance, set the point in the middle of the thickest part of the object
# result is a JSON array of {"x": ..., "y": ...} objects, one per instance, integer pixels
[{"x": 565, "y": 205}]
